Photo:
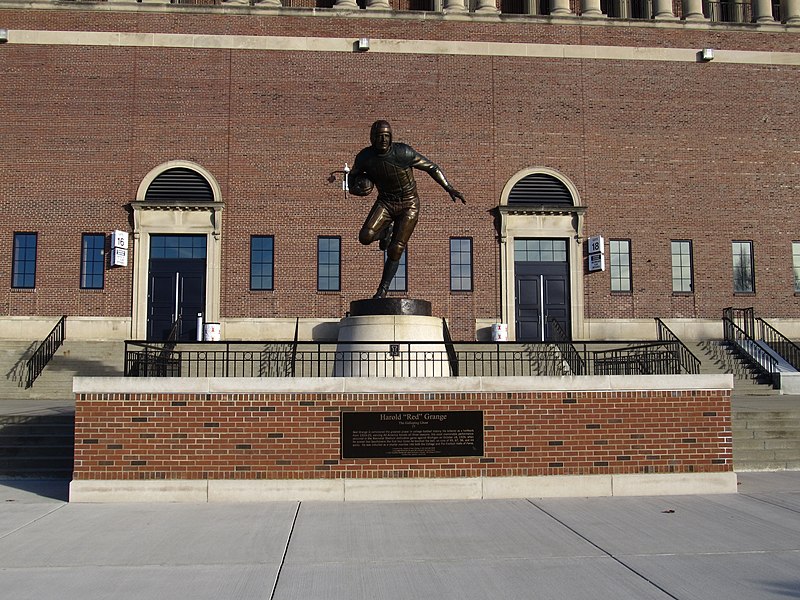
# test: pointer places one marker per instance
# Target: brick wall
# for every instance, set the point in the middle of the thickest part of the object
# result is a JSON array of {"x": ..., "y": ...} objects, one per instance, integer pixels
[
  {"x": 657, "y": 150},
  {"x": 189, "y": 436}
]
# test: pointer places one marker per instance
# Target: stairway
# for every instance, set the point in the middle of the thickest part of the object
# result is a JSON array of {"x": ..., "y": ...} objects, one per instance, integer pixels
[
  {"x": 766, "y": 440},
  {"x": 36, "y": 446},
  {"x": 717, "y": 357},
  {"x": 37, "y": 424}
]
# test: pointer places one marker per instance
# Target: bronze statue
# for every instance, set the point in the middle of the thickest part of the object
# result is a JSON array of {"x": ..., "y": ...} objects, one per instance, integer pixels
[{"x": 389, "y": 166}]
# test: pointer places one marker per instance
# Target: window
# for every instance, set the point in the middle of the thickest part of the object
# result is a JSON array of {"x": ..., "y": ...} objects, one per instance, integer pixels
[
  {"x": 620, "y": 264},
  {"x": 177, "y": 246},
  {"x": 262, "y": 262},
  {"x": 400, "y": 281},
  {"x": 796, "y": 265},
  {"x": 93, "y": 250},
  {"x": 328, "y": 263},
  {"x": 743, "y": 275},
  {"x": 682, "y": 278},
  {"x": 461, "y": 264},
  {"x": 540, "y": 250},
  {"x": 23, "y": 270}
]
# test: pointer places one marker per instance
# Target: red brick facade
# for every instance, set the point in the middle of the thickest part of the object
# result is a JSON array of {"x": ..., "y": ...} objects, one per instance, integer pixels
[
  {"x": 658, "y": 150},
  {"x": 185, "y": 436}
]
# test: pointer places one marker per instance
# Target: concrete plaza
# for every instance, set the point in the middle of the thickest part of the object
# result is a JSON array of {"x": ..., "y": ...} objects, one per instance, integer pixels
[{"x": 735, "y": 546}]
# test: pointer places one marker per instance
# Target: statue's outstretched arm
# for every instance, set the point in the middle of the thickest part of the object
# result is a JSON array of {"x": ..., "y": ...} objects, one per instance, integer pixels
[{"x": 438, "y": 176}]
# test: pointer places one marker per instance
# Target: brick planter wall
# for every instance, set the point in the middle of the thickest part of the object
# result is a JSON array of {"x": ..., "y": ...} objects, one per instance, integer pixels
[{"x": 281, "y": 435}]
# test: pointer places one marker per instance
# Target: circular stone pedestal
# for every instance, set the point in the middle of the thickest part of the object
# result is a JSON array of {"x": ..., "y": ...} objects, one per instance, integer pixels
[{"x": 389, "y": 345}]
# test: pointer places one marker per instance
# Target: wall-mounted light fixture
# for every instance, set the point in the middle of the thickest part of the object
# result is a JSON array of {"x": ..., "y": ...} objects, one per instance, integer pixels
[
  {"x": 707, "y": 54},
  {"x": 362, "y": 45},
  {"x": 3, "y": 36}
]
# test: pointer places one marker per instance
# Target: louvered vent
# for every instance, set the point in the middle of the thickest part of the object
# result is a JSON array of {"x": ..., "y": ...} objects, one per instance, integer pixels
[
  {"x": 179, "y": 186},
  {"x": 540, "y": 188}
]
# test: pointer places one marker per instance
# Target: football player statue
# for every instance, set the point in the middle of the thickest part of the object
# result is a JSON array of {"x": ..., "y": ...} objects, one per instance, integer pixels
[{"x": 389, "y": 166}]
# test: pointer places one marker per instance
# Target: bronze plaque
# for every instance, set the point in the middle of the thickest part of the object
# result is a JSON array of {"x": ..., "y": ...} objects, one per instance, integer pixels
[{"x": 411, "y": 434}]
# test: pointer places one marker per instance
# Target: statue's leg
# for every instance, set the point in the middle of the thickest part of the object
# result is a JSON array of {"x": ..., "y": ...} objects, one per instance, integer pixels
[
  {"x": 389, "y": 271},
  {"x": 403, "y": 228},
  {"x": 377, "y": 225}
]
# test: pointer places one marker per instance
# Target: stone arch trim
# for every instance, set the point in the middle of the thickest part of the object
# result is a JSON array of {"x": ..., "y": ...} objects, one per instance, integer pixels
[
  {"x": 141, "y": 192},
  {"x": 541, "y": 221},
  {"x": 520, "y": 175}
]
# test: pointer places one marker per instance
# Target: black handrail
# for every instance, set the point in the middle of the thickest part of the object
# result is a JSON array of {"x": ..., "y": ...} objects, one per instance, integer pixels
[
  {"x": 783, "y": 346},
  {"x": 746, "y": 345},
  {"x": 688, "y": 361},
  {"x": 452, "y": 357},
  {"x": 397, "y": 359},
  {"x": 576, "y": 364},
  {"x": 42, "y": 355},
  {"x": 743, "y": 318}
]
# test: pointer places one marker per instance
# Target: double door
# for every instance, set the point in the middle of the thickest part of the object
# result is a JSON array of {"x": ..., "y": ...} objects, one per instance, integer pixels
[
  {"x": 542, "y": 295},
  {"x": 176, "y": 290}
]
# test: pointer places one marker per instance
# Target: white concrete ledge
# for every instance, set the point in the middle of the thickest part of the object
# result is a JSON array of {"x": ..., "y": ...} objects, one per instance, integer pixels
[
  {"x": 464, "y": 488},
  {"x": 790, "y": 383},
  {"x": 674, "y": 484},
  {"x": 270, "y": 490},
  {"x": 397, "y": 385},
  {"x": 168, "y": 490},
  {"x": 391, "y": 46}
]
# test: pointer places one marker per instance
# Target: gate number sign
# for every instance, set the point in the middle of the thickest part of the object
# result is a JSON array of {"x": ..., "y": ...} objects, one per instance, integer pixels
[{"x": 597, "y": 257}]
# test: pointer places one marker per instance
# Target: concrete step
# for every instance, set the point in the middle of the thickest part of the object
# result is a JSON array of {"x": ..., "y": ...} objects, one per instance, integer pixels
[
  {"x": 36, "y": 446},
  {"x": 74, "y": 358},
  {"x": 717, "y": 358},
  {"x": 746, "y": 444}
]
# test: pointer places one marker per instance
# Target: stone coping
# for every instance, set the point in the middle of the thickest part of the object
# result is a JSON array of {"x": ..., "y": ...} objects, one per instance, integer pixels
[
  {"x": 399, "y": 385},
  {"x": 361, "y": 490}
]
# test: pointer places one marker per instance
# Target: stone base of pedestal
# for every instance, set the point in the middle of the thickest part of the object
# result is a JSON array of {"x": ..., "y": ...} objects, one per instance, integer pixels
[{"x": 394, "y": 343}]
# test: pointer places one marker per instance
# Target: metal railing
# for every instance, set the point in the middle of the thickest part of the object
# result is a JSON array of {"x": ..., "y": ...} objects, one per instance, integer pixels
[
  {"x": 688, "y": 362},
  {"x": 399, "y": 359},
  {"x": 757, "y": 330},
  {"x": 318, "y": 359},
  {"x": 739, "y": 338},
  {"x": 653, "y": 358},
  {"x": 577, "y": 365},
  {"x": 786, "y": 348},
  {"x": 42, "y": 355}
]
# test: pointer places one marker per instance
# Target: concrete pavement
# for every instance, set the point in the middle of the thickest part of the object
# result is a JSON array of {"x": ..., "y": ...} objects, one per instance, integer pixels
[{"x": 737, "y": 546}]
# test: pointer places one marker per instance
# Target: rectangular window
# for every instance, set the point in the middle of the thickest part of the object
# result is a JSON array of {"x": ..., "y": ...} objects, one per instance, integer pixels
[
  {"x": 262, "y": 262},
  {"x": 796, "y": 265},
  {"x": 93, "y": 251},
  {"x": 620, "y": 265},
  {"x": 23, "y": 269},
  {"x": 743, "y": 274},
  {"x": 461, "y": 264},
  {"x": 328, "y": 263},
  {"x": 682, "y": 277},
  {"x": 400, "y": 281},
  {"x": 540, "y": 250}
]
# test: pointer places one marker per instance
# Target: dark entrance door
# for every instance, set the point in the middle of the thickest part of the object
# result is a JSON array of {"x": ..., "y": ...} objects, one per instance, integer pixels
[
  {"x": 541, "y": 289},
  {"x": 176, "y": 285}
]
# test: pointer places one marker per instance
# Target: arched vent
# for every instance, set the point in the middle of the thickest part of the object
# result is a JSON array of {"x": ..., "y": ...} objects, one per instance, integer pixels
[
  {"x": 179, "y": 186},
  {"x": 540, "y": 188}
]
